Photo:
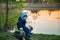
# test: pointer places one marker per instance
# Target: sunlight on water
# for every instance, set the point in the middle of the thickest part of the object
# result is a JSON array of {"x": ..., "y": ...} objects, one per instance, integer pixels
[{"x": 45, "y": 21}]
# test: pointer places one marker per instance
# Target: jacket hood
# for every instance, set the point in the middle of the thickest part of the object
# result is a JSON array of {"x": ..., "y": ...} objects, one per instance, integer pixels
[{"x": 23, "y": 14}]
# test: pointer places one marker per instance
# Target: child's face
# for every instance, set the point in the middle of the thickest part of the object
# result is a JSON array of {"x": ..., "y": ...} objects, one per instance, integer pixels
[{"x": 25, "y": 18}]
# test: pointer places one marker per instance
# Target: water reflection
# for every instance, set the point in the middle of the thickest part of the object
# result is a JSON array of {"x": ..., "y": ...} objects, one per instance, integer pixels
[{"x": 45, "y": 21}]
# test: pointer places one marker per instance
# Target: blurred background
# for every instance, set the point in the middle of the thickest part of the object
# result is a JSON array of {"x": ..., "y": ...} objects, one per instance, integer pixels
[{"x": 43, "y": 15}]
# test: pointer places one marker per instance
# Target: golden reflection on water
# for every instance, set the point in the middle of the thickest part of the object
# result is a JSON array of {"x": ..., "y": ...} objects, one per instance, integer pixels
[
  {"x": 43, "y": 14},
  {"x": 55, "y": 14}
]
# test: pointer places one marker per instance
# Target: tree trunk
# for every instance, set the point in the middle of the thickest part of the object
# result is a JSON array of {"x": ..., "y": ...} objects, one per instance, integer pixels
[{"x": 6, "y": 23}]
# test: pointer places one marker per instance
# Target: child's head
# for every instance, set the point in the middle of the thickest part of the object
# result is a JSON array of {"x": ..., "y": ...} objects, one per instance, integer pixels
[{"x": 24, "y": 15}]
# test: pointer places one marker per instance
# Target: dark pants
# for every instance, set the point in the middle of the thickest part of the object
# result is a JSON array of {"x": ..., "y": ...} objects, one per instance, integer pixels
[{"x": 27, "y": 31}]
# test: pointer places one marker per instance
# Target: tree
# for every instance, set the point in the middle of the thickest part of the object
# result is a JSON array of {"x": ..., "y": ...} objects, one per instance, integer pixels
[{"x": 7, "y": 10}]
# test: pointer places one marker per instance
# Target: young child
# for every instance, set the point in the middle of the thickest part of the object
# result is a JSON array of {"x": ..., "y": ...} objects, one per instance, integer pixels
[{"x": 22, "y": 22}]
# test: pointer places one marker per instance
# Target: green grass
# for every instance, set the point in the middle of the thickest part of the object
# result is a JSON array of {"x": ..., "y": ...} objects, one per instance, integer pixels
[
  {"x": 6, "y": 36},
  {"x": 45, "y": 37},
  {"x": 9, "y": 36}
]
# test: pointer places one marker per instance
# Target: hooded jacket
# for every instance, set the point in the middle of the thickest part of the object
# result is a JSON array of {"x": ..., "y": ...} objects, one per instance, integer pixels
[{"x": 21, "y": 20}]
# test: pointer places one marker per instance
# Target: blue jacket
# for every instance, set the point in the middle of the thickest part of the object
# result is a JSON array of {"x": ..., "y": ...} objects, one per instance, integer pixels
[
  {"x": 21, "y": 20},
  {"x": 21, "y": 23}
]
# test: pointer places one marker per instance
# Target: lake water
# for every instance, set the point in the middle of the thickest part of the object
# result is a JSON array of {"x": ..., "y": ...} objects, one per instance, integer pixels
[{"x": 46, "y": 24}]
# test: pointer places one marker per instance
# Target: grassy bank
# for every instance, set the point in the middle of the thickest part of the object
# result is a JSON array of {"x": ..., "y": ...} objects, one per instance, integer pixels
[
  {"x": 45, "y": 37},
  {"x": 9, "y": 36}
]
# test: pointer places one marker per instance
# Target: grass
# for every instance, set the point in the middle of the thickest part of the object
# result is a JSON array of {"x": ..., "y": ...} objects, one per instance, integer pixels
[
  {"x": 45, "y": 37},
  {"x": 6, "y": 36},
  {"x": 9, "y": 36}
]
